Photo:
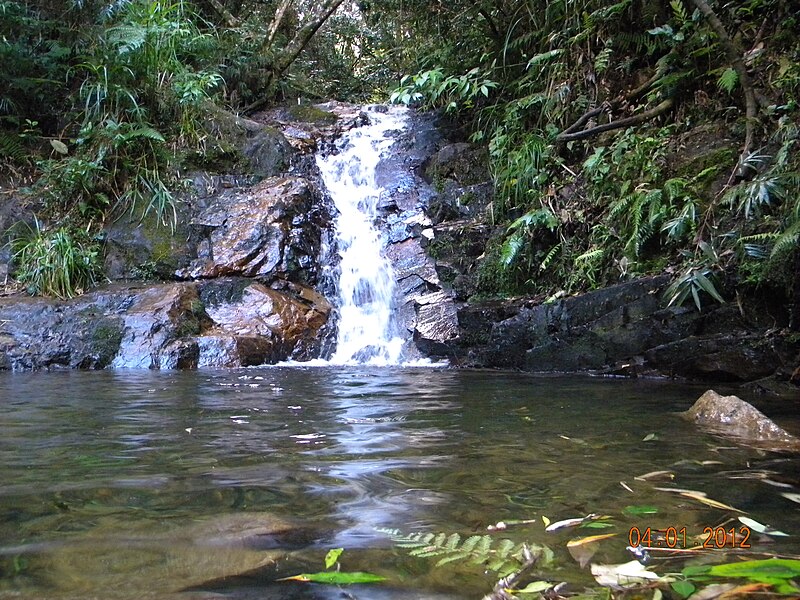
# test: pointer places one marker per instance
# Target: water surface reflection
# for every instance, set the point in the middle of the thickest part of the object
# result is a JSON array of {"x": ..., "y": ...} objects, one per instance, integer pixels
[{"x": 125, "y": 484}]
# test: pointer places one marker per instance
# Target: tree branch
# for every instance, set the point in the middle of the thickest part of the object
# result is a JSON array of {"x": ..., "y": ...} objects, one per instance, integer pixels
[
  {"x": 509, "y": 582},
  {"x": 224, "y": 13},
  {"x": 276, "y": 22},
  {"x": 289, "y": 54},
  {"x": 619, "y": 124}
]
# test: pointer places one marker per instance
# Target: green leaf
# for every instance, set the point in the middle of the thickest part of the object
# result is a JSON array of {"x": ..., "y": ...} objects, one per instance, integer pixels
[
  {"x": 332, "y": 557},
  {"x": 535, "y": 587},
  {"x": 336, "y": 577},
  {"x": 59, "y": 146},
  {"x": 596, "y": 525},
  {"x": 705, "y": 283},
  {"x": 683, "y": 588},
  {"x": 728, "y": 80},
  {"x": 640, "y": 510}
]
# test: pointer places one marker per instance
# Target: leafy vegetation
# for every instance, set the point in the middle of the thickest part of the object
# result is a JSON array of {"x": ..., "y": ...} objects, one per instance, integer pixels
[
  {"x": 62, "y": 262},
  {"x": 587, "y": 120},
  {"x": 625, "y": 138}
]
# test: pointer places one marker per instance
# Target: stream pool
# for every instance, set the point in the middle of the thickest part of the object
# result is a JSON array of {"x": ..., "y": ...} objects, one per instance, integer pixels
[{"x": 216, "y": 484}]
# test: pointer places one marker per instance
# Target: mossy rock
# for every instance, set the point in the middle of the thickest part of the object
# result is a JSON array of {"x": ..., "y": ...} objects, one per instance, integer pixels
[
  {"x": 311, "y": 114},
  {"x": 145, "y": 249}
]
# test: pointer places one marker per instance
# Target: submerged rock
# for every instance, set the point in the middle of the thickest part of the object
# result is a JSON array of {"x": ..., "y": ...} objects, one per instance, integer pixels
[
  {"x": 730, "y": 415},
  {"x": 118, "y": 559}
]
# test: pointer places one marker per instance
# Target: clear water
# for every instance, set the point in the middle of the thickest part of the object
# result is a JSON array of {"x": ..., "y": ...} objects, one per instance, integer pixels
[
  {"x": 367, "y": 330},
  {"x": 217, "y": 484}
]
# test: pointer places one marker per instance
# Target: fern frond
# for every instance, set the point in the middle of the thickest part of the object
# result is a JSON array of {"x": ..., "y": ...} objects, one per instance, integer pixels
[
  {"x": 11, "y": 147},
  {"x": 501, "y": 556},
  {"x": 788, "y": 240},
  {"x": 728, "y": 80}
]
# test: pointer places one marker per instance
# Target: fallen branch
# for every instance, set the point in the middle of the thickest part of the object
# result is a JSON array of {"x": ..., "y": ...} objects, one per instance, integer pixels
[
  {"x": 654, "y": 112},
  {"x": 572, "y": 132},
  {"x": 510, "y": 581}
]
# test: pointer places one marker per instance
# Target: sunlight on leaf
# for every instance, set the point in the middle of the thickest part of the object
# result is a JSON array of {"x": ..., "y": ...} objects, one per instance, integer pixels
[
  {"x": 336, "y": 577},
  {"x": 332, "y": 556}
]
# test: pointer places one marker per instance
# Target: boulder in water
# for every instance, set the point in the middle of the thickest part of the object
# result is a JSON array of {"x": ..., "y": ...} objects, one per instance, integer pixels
[{"x": 730, "y": 415}]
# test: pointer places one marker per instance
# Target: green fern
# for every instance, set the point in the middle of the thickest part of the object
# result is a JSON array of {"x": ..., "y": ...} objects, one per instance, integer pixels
[
  {"x": 728, "y": 80},
  {"x": 502, "y": 556},
  {"x": 11, "y": 148}
]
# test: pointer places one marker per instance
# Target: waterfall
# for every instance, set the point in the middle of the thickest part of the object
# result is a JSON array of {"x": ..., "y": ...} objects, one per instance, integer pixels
[{"x": 367, "y": 330}]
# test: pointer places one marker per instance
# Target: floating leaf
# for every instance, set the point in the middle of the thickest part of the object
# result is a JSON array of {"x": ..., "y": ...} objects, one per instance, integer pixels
[
  {"x": 332, "y": 556},
  {"x": 546, "y": 521},
  {"x": 761, "y": 528},
  {"x": 640, "y": 510},
  {"x": 597, "y": 525},
  {"x": 534, "y": 587},
  {"x": 564, "y": 523},
  {"x": 774, "y": 571},
  {"x": 628, "y": 574},
  {"x": 709, "y": 502},
  {"x": 649, "y": 437},
  {"x": 683, "y": 588},
  {"x": 655, "y": 475},
  {"x": 336, "y": 577},
  {"x": 583, "y": 549},
  {"x": 589, "y": 540}
]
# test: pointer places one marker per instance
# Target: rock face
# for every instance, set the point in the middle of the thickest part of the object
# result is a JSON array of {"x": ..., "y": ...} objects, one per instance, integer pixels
[
  {"x": 271, "y": 229},
  {"x": 621, "y": 330},
  {"x": 732, "y": 416},
  {"x": 228, "y": 322}
]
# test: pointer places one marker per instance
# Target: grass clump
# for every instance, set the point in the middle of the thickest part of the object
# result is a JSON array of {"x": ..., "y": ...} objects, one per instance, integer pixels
[{"x": 62, "y": 262}]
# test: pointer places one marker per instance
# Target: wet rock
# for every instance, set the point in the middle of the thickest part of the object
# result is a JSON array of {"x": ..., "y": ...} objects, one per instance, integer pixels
[
  {"x": 730, "y": 415},
  {"x": 146, "y": 248},
  {"x": 722, "y": 357},
  {"x": 271, "y": 229},
  {"x": 466, "y": 164},
  {"x": 409, "y": 260},
  {"x": 436, "y": 322},
  {"x": 154, "y": 325},
  {"x": 37, "y": 333},
  {"x": 268, "y": 152},
  {"x": 144, "y": 559},
  {"x": 254, "y": 324}
]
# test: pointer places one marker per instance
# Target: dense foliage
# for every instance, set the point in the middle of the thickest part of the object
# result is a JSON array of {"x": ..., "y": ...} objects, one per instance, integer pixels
[
  {"x": 624, "y": 138},
  {"x": 628, "y": 138}
]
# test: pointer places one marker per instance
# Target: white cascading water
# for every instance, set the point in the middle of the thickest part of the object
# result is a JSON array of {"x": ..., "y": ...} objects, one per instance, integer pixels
[{"x": 367, "y": 330}]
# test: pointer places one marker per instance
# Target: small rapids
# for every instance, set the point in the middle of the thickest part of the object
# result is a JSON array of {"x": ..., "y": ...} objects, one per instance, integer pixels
[{"x": 368, "y": 332}]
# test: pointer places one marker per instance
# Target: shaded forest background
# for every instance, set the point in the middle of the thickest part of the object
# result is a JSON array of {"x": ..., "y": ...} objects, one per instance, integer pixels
[{"x": 624, "y": 139}]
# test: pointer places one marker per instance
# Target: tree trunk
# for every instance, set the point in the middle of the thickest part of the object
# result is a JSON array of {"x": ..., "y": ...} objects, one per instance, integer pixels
[
  {"x": 284, "y": 59},
  {"x": 734, "y": 54}
]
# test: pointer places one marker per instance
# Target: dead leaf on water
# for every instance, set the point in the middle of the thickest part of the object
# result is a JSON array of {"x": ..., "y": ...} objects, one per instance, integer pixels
[
  {"x": 656, "y": 475},
  {"x": 626, "y": 575},
  {"x": 591, "y": 539},
  {"x": 700, "y": 497},
  {"x": 570, "y": 522},
  {"x": 713, "y": 591},
  {"x": 761, "y": 528}
]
